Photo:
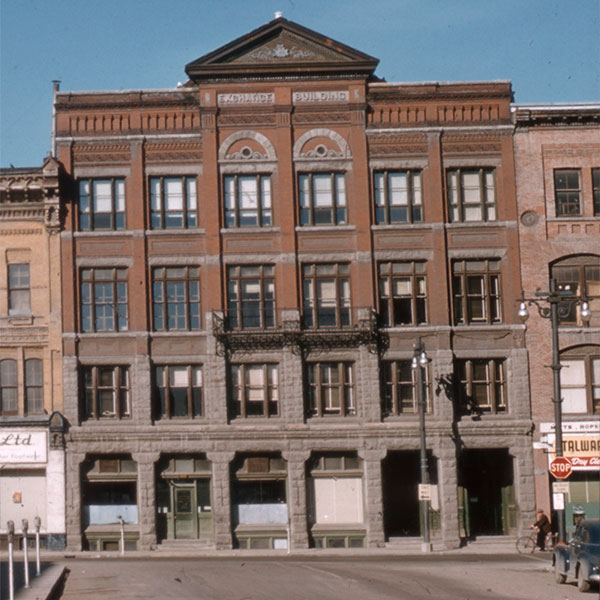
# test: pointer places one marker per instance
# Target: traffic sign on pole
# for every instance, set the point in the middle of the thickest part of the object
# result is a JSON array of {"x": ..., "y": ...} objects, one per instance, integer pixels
[{"x": 560, "y": 467}]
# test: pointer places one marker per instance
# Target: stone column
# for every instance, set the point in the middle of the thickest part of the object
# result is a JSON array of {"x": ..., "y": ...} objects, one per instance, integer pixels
[
  {"x": 221, "y": 491},
  {"x": 373, "y": 486},
  {"x": 73, "y": 501},
  {"x": 524, "y": 478},
  {"x": 296, "y": 501},
  {"x": 448, "y": 494},
  {"x": 146, "y": 497}
]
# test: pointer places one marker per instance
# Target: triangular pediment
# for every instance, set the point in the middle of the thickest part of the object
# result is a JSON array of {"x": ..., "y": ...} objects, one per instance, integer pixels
[{"x": 278, "y": 49}]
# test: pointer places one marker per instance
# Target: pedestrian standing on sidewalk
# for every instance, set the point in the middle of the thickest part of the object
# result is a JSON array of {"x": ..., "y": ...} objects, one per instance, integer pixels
[{"x": 542, "y": 526}]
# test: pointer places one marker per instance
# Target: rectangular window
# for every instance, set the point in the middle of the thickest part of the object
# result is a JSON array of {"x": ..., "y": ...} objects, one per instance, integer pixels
[
  {"x": 400, "y": 388},
  {"x": 322, "y": 198},
  {"x": 596, "y": 190},
  {"x": 330, "y": 389},
  {"x": 101, "y": 204},
  {"x": 580, "y": 385},
  {"x": 173, "y": 202},
  {"x": 476, "y": 287},
  {"x": 104, "y": 300},
  {"x": 9, "y": 398},
  {"x": 176, "y": 298},
  {"x": 567, "y": 192},
  {"x": 34, "y": 386},
  {"x": 19, "y": 289},
  {"x": 402, "y": 293},
  {"x": 482, "y": 387},
  {"x": 251, "y": 296},
  {"x": 106, "y": 392},
  {"x": 326, "y": 292},
  {"x": 471, "y": 195},
  {"x": 254, "y": 390},
  {"x": 398, "y": 197},
  {"x": 247, "y": 200},
  {"x": 179, "y": 391}
]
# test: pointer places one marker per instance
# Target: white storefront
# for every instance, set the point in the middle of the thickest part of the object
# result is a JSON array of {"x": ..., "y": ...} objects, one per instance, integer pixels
[{"x": 32, "y": 481}]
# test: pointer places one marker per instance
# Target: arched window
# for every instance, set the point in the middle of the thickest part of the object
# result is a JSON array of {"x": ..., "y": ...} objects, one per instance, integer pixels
[
  {"x": 8, "y": 387},
  {"x": 581, "y": 276},
  {"x": 34, "y": 386}
]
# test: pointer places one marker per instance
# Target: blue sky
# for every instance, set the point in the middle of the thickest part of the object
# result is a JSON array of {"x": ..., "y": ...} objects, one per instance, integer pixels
[{"x": 550, "y": 49}]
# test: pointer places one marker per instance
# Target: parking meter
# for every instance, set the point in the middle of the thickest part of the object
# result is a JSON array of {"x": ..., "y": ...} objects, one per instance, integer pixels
[
  {"x": 10, "y": 526},
  {"x": 25, "y": 526},
  {"x": 37, "y": 522}
]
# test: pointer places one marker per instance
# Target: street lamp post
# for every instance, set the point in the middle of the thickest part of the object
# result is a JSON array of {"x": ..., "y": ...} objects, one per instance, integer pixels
[
  {"x": 553, "y": 305},
  {"x": 419, "y": 364}
]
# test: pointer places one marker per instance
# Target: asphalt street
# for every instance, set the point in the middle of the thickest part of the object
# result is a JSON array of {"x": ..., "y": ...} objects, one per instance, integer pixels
[{"x": 430, "y": 577}]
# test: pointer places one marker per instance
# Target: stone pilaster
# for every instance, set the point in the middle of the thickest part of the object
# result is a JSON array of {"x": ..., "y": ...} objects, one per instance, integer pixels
[
  {"x": 296, "y": 461},
  {"x": 70, "y": 390},
  {"x": 448, "y": 494},
  {"x": 146, "y": 497},
  {"x": 367, "y": 386},
  {"x": 524, "y": 481},
  {"x": 73, "y": 501},
  {"x": 373, "y": 486},
  {"x": 221, "y": 488}
]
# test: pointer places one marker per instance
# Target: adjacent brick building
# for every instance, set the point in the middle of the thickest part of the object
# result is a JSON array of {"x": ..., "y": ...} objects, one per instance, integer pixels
[
  {"x": 248, "y": 260},
  {"x": 32, "y": 456},
  {"x": 557, "y": 153}
]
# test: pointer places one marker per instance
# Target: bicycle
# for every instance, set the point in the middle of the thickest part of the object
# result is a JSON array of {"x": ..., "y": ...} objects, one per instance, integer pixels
[{"x": 526, "y": 544}]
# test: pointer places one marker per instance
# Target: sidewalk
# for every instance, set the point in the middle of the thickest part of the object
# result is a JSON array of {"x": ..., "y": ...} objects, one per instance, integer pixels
[{"x": 43, "y": 586}]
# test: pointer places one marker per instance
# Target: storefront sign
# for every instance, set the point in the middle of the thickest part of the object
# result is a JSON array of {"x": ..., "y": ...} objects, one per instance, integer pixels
[
  {"x": 22, "y": 446},
  {"x": 582, "y": 450},
  {"x": 572, "y": 427}
]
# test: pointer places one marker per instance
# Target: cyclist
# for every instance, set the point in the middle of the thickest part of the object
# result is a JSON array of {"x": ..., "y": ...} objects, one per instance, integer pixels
[{"x": 543, "y": 527}]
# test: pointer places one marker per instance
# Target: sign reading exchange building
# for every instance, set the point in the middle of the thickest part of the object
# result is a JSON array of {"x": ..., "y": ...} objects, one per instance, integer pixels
[{"x": 22, "y": 446}]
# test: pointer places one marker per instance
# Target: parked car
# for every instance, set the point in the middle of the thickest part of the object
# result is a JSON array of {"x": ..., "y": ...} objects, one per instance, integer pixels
[{"x": 580, "y": 557}]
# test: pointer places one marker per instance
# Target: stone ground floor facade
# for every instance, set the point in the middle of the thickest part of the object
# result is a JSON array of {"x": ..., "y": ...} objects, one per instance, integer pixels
[{"x": 334, "y": 488}]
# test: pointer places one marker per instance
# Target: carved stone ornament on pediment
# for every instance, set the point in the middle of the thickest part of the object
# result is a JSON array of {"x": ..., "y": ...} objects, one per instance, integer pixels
[
  {"x": 288, "y": 47},
  {"x": 321, "y": 144},
  {"x": 247, "y": 145}
]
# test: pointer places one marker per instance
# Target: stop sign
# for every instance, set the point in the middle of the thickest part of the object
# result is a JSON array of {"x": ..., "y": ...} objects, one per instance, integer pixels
[{"x": 560, "y": 467}]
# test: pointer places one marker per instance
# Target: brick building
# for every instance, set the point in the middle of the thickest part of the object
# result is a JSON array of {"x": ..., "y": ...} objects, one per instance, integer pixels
[
  {"x": 32, "y": 456},
  {"x": 248, "y": 260},
  {"x": 557, "y": 154}
]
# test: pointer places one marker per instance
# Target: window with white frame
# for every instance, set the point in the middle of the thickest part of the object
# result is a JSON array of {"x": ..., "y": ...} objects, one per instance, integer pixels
[
  {"x": 471, "y": 195},
  {"x": 173, "y": 203},
  {"x": 398, "y": 197},
  {"x": 322, "y": 198},
  {"x": 567, "y": 192},
  {"x": 101, "y": 204},
  {"x": 247, "y": 200}
]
